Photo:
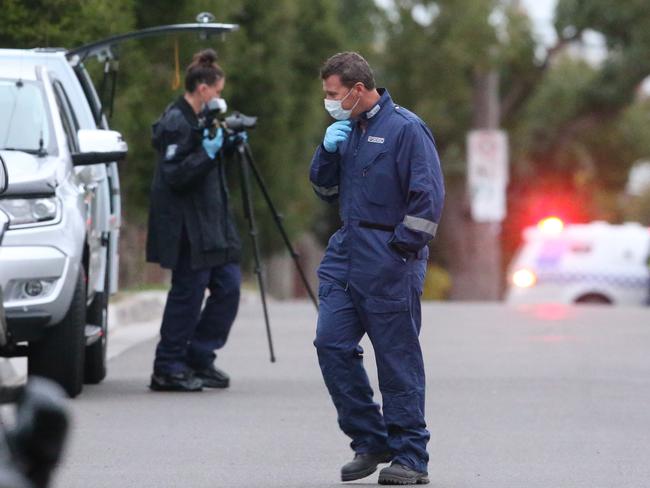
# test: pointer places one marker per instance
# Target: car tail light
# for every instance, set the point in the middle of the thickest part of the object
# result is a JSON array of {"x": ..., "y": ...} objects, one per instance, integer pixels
[{"x": 524, "y": 278}]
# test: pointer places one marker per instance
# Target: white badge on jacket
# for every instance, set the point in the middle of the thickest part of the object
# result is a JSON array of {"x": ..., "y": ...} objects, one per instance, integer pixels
[{"x": 171, "y": 151}]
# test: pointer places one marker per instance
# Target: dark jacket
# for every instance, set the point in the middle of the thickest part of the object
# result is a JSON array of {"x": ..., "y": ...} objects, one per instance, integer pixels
[{"x": 188, "y": 194}]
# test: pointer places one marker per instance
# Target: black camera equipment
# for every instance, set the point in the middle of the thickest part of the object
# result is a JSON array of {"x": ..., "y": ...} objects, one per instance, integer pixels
[
  {"x": 238, "y": 122},
  {"x": 213, "y": 117},
  {"x": 233, "y": 125},
  {"x": 212, "y": 111}
]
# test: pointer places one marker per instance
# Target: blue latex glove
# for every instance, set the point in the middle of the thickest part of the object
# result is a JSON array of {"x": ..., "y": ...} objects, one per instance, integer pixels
[
  {"x": 238, "y": 137},
  {"x": 213, "y": 145},
  {"x": 335, "y": 134}
]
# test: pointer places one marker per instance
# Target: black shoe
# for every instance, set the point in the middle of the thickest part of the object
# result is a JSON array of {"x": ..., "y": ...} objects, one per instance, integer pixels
[
  {"x": 363, "y": 465},
  {"x": 212, "y": 377},
  {"x": 184, "y": 381},
  {"x": 397, "y": 474}
]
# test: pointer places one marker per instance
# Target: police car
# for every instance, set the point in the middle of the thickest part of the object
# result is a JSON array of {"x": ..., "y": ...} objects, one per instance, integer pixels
[{"x": 581, "y": 263}]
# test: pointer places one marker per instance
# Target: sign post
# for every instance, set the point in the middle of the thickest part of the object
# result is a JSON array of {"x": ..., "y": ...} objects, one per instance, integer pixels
[{"x": 487, "y": 175}]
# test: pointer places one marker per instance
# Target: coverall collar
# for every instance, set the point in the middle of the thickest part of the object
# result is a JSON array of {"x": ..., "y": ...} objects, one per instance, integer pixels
[
  {"x": 187, "y": 111},
  {"x": 380, "y": 108}
]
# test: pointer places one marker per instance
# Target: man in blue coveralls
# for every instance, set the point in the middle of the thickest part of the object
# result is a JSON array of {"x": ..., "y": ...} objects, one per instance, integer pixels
[{"x": 380, "y": 162}]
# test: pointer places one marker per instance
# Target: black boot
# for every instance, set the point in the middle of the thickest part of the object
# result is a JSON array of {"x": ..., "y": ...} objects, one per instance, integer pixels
[
  {"x": 184, "y": 381},
  {"x": 397, "y": 474},
  {"x": 212, "y": 377},
  {"x": 363, "y": 465}
]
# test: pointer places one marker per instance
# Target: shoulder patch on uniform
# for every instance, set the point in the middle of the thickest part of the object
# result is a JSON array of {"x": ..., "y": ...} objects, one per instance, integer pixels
[
  {"x": 170, "y": 152},
  {"x": 376, "y": 140}
]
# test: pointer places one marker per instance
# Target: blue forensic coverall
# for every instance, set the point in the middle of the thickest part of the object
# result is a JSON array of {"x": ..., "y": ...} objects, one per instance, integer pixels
[
  {"x": 192, "y": 232},
  {"x": 387, "y": 179}
]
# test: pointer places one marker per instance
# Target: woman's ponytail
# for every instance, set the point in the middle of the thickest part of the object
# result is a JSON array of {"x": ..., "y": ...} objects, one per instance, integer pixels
[{"x": 203, "y": 69}]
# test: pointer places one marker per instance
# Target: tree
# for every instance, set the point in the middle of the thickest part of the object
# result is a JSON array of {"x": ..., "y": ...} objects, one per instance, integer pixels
[
  {"x": 434, "y": 69},
  {"x": 61, "y": 23},
  {"x": 626, "y": 30}
]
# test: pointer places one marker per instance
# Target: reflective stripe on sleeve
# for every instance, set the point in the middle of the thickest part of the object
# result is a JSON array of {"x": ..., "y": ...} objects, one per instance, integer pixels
[
  {"x": 423, "y": 225},
  {"x": 326, "y": 192}
]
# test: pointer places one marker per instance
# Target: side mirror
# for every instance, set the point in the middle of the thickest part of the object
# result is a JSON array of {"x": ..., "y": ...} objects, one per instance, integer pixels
[
  {"x": 99, "y": 147},
  {"x": 4, "y": 177}
]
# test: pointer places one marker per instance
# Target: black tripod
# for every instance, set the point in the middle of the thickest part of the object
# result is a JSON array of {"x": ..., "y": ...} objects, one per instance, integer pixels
[{"x": 246, "y": 164}]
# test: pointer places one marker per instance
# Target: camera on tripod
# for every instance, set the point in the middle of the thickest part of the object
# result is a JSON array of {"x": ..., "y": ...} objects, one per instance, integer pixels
[{"x": 214, "y": 117}]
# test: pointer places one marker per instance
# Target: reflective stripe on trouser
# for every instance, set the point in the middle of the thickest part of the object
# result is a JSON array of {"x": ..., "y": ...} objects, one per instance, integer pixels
[{"x": 343, "y": 319}]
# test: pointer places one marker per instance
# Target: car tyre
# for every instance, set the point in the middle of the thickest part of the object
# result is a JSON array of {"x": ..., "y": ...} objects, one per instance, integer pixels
[
  {"x": 59, "y": 355},
  {"x": 594, "y": 298}
]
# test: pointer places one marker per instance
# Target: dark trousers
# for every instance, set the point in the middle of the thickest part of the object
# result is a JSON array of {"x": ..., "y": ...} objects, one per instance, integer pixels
[
  {"x": 189, "y": 336},
  {"x": 393, "y": 327}
]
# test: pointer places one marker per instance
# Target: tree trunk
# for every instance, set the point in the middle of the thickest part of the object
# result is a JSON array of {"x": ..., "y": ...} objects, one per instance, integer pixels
[{"x": 475, "y": 260}]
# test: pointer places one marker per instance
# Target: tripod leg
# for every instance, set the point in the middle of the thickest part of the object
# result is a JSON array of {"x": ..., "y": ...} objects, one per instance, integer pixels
[
  {"x": 278, "y": 222},
  {"x": 250, "y": 217}
]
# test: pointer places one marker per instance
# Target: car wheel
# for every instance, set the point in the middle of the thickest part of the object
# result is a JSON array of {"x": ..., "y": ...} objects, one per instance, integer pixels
[
  {"x": 59, "y": 355},
  {"x": 594, "y": 298}
]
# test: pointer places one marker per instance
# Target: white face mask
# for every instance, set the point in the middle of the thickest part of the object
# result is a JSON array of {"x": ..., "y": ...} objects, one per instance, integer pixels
[
  {"x": 217, "y": 104},
  {"x": 335, "y": 109}
]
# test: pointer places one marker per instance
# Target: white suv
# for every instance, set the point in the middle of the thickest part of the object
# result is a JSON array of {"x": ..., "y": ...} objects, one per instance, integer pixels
[
  {"x": 58, "y": 259},
  {"x": 4, "y": 222}
]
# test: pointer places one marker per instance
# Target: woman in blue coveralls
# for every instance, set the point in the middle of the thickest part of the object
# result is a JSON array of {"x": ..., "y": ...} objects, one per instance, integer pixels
[
  {"x": 192, "y": 232},
  {"x": 379, "y": 161}
]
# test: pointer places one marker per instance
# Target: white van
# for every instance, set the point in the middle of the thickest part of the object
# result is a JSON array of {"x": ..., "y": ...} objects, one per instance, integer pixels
[{"x": 581, "y": 263}]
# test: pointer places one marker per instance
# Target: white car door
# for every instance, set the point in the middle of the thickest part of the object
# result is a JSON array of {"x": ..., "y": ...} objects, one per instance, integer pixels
[{"x": 89, "y": 178}]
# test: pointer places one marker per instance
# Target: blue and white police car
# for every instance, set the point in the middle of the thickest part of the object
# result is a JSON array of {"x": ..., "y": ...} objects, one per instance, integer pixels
[{"x": 581, "y": 263}]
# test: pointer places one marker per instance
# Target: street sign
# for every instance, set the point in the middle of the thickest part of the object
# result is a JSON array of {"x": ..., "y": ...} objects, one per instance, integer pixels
[
  {"x": 638, "y": 181},
  {"x": 487, "y": 174}
]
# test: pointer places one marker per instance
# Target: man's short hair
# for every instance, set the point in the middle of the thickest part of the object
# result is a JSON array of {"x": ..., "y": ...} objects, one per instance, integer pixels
[{"x": 351, "y": 68}]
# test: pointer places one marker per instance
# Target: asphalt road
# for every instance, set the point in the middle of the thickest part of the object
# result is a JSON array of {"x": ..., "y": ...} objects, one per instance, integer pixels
[{"x": 544, "y": 397}]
